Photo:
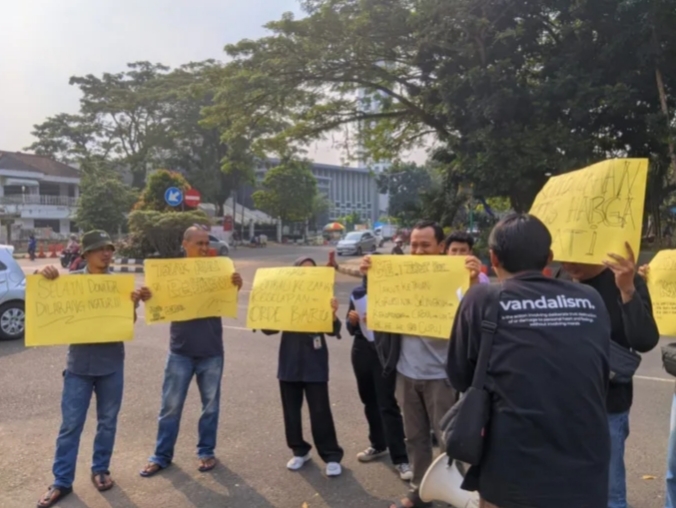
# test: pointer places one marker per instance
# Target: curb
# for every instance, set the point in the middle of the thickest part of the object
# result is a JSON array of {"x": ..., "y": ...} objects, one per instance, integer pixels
[
  {"x": 127, "y": 269},
  {"x": 348, "y": 270}
]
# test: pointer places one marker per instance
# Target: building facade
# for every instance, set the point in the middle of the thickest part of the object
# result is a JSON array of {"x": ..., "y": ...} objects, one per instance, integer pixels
[
  {"x": 37, "y": 195},
  {"x": 347, "y": 190}
]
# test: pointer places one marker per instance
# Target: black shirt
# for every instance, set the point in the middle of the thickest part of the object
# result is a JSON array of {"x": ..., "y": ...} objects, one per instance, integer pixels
[
  {"x": 198, "y": 338},
  {"x": 547, "y": 443},
  {"x": 633, "y": 326}
]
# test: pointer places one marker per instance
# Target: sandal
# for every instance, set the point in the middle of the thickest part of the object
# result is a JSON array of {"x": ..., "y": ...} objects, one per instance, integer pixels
[
  {"x": 207, "y": 464},
  {"x": 53, "y": 495},
  {"x": 102, "y": 481},
  {"x": 151, "y": 469},
  {"x": 414, "y": 498}
]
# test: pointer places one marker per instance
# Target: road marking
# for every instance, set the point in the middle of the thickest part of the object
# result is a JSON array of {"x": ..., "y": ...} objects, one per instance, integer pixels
[{"x": 648, "y": 378}]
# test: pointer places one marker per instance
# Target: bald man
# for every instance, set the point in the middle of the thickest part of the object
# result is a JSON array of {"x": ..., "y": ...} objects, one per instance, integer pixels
[{"x": 196, "y": 350}]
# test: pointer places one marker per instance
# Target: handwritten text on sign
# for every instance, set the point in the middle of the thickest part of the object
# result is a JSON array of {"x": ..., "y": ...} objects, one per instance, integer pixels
[
  {"x": 294, "y": 299},
  {"x": 415, "y": 295},
  {"x": 79, "y": 309},
  {"x": 662, "y": 287},
  {"x": 190, "y": 288},
  {"x": 595, "y": 210}
]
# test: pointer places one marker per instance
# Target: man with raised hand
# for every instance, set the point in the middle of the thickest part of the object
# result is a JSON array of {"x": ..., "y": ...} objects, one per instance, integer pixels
[
  {"x": 196, "y": 350},
  {"x": 423, "y": 391},
  {"x": 91, "y": 368},
  {"x": 460, "y": 243}
]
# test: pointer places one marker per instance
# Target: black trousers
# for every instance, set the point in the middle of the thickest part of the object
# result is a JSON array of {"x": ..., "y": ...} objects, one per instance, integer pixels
[
  {"x": 321, "y": 420},
  {"x": 377, "y": 393}
]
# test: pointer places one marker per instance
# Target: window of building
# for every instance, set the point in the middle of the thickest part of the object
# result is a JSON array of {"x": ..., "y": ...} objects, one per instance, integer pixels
[
  {"x": 50, "y": 189},
  {"x": 55, "y": 224},
  {"x": 74, "y": 227}
]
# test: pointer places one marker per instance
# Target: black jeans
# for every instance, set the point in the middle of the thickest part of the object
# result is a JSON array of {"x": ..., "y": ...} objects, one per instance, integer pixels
[
  {"x": 321, "y": 420},
  {"x": 376, "y": 391}
]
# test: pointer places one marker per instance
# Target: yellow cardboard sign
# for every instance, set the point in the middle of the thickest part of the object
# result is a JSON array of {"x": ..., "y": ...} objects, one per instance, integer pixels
[
  {"x": 593, "y": 211},
  {"x": 293, "y": 299},
  {"x": 190, "y": 288},
  {"x": 662, "y": 287},
  {"x": 79, "y": 309},
  {"x": 415, "y": 295}
]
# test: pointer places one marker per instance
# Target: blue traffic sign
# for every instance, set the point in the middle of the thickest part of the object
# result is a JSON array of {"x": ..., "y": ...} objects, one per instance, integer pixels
[{"x": 173, "y": 196}]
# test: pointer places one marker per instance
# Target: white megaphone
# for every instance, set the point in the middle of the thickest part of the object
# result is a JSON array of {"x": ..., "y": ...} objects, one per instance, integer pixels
[{"x": 442, "y": 483}]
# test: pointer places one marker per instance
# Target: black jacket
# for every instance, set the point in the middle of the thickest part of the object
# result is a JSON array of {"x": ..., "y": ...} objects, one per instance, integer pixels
[
  {"x": 547, "y": 378},
  {"x": 300, "y": 360}
]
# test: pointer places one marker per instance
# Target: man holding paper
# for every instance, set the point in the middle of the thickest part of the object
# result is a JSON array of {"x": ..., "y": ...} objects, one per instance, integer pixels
[
  {"x": 196, "y": 350},
  {"x": 91, "y": 368},
  {"x": 423, "y": 390}
]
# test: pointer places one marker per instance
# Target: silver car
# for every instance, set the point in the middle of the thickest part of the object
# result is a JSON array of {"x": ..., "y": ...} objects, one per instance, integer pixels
[
  {"x": 12, "y": 297},
  {"x": 221, "y": 247},
  {"x": 357, "y": 243}
]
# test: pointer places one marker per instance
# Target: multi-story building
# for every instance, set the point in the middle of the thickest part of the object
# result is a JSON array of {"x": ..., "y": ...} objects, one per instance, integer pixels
[
  {"x": 347, "y": 190},
  {"x": 37, "y": 193}
]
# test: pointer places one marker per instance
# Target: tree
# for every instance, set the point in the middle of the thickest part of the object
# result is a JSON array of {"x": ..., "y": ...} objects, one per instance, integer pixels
[
  {"x": 406, "y": 185},
  {"x": 104, "y": 203},
  {"x": 152, "y": 197},
  {"x": 509, "y": 89},
  {"x": 288, "y": 191}
]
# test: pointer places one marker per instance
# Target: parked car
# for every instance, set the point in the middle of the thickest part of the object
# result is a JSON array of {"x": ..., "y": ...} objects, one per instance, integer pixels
[
  {"x": 357, "y": 243},
  {"x": 221, "y": 246},
  {"x": 12, "y": 297}
]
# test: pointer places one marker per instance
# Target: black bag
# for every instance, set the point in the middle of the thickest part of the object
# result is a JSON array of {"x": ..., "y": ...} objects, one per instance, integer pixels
[
  {"x": 623, "y": 363},
  {"x": 669, "y": 358},
  {"x": 465, "y": 423}
]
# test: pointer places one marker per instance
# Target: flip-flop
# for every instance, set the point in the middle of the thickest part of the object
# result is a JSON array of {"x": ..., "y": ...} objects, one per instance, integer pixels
[
  {"x": 63, "y": 492},
  {"x": 147, "y": 474},
  {"x": 205, "y": 469},
  {"x": 98, "y": 479}
]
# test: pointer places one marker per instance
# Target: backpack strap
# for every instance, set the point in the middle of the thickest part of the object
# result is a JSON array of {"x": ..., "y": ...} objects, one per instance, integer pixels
[{"x": 489, "y": 326}]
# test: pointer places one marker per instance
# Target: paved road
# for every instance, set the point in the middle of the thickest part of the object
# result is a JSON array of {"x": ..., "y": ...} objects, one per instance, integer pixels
[{"x": 251, "y": 438}]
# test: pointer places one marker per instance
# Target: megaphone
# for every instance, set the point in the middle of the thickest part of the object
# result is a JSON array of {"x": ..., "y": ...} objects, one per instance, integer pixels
[{"x": 442, "y": 483}]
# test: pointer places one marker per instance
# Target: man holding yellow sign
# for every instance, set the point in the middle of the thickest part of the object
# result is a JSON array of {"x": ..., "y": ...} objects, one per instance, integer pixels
[
  {"x": 196, "y": 348},
  {"x": 92, "y": 367}
]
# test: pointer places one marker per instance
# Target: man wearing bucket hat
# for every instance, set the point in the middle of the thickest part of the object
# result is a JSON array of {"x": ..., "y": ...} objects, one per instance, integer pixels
[{"x": 91, "y": 368}]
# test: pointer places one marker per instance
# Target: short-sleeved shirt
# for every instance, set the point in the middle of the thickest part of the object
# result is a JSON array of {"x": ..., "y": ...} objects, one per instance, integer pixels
[
  {"x": 197, "y": 338},
  {"x": 94, "y": 359}
]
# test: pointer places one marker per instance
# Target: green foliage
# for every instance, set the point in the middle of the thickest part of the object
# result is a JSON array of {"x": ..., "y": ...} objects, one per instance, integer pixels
[
  {"x": 159, "y": 233},
  {"x": 152, "y": 197},
  {"x": 288, "y": 191},
  {"x": 104, "y": 203},
  {"x": 406, "y": 185},
  {"x": 350, "y": 220}
]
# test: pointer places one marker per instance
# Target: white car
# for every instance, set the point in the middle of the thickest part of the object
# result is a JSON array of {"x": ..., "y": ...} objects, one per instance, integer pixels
[{"x": 12, "y": 297}]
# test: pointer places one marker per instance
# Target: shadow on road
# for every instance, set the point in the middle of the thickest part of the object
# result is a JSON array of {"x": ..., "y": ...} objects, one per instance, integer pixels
[
  {"x": 11, "y": 347},
  {"x": 240, "y": 493},
  {"x": 118, "y": 498},
  {"x": 339, "y": 492}
]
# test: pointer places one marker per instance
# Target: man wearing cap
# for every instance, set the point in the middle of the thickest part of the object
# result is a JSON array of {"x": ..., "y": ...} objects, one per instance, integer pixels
[{"x": 91, "y": 368}]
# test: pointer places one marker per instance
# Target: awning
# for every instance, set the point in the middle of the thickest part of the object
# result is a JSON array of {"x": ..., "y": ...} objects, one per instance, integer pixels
[{"x": 22, "y": 182}]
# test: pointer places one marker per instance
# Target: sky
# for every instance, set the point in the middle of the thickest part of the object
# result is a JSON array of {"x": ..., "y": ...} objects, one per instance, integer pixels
[{"x": 45, "y": 42}]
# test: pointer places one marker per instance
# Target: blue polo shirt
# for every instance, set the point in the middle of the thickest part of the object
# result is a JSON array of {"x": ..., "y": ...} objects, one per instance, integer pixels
[{"x": 94, "y": 359}]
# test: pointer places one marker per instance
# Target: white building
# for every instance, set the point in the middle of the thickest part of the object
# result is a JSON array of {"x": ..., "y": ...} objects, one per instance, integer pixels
[{"x": 37, "y": 194}]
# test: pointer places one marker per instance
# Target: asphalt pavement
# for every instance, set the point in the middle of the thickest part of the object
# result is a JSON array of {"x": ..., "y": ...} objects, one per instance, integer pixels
[{"x": 251, "y": 447}]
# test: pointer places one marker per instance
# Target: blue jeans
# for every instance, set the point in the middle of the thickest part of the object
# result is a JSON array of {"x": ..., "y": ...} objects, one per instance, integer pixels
[
  {"x": 178, "y": 374},
  {"x": 77, "y": 393},
  {"x": 617, "y": 477},
  {"x": 670, "y": 498}
]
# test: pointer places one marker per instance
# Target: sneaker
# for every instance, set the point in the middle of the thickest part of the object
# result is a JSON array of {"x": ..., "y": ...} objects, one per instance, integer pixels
[
  {"x": 333, "y": 469},
  {"x": 405, "y": 471},
  {"x": 370, "y": 454},
  {"x": 297, "y": 462}
]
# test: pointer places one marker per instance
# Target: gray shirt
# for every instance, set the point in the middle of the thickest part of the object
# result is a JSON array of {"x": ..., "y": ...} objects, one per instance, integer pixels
[
  {"x": 95, "y": 359},
  {"x": 422, "y": 358}
]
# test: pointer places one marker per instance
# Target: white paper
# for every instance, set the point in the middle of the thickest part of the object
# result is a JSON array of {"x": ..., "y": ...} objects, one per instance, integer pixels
[{"x": 360, "y": 307}]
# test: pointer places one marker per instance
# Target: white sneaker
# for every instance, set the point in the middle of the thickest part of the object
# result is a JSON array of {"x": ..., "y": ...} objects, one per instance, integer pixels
[
  {"x": 405, "y": 472},
  {"x": 297, "y": 462},
  {"x": 333, "y": 469}
]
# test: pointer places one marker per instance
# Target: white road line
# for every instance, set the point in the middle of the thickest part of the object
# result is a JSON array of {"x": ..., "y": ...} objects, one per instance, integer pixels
[{"x": 661, "y": 379}]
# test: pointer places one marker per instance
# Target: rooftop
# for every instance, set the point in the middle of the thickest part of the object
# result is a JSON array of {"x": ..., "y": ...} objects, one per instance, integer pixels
[{"x": 19, "y": 161}]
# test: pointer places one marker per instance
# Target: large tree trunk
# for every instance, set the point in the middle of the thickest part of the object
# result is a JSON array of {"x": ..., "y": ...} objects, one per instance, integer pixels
[{"x": 665, "y": 112}]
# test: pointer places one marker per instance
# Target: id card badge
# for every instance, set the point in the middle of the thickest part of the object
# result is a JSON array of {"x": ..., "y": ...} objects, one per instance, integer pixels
[{"x": 317, "y": 342}]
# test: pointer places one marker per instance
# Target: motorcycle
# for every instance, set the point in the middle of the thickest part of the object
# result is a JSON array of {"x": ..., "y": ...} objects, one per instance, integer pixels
[{"x": 67, "y": 256}]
